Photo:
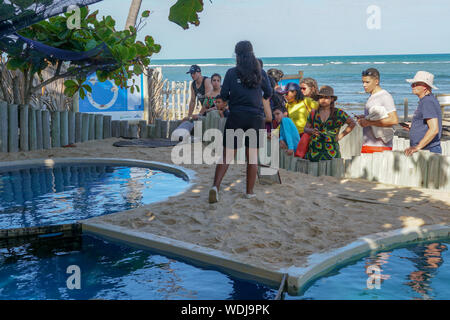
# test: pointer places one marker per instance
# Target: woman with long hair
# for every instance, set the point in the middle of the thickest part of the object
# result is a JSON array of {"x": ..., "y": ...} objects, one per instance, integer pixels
[
  {"x": 244, "y": 87},
  {"x": 310, "y": 88},
  {"x": 210, "y": 96},
  {"x": 324, "y": 126},
  {"x": 298, "y": 106}
]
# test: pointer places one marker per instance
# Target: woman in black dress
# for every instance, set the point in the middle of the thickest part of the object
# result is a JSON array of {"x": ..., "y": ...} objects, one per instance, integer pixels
[{"x": 244, "y": 87}]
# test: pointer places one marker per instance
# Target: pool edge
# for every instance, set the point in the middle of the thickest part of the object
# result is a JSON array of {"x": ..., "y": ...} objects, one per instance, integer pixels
[
  {"x": 320, "y": 263},
  {"x": 216, "y": 258}
]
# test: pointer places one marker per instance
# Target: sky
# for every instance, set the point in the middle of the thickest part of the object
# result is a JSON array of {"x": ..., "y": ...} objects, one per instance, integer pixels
[{"x": 295, "y": 28}]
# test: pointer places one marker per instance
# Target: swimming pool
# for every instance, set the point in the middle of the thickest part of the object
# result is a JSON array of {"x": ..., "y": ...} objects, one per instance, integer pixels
[
  {"x": 416, "y": 271},
  {"x": 66, "y": 193},
  {"x": 111, "y": 270}
]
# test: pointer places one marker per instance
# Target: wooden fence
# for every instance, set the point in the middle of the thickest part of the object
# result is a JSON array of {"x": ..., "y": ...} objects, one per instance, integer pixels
[{"x": 23, "y": 129}]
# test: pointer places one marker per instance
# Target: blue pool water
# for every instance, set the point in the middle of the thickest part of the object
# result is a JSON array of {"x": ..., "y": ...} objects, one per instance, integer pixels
[
  {"x": 415, "y": 272},
  {"x": 111, "y": 270},
  {"x": 65, "y": 194}
]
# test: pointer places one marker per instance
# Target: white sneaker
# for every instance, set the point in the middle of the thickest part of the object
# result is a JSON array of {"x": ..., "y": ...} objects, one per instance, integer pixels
[
  {"x": 250, "y": 195},
  {"x": 213, "y": 195}
]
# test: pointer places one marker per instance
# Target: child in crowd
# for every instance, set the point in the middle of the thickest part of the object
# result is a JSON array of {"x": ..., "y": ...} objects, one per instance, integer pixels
[
  {"x": 222, "y": 106},
  {"x": 289, "y": 136}
]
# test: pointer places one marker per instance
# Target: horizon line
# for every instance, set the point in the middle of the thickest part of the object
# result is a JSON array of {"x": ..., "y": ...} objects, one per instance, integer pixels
[{"x": 363, "y": 55}]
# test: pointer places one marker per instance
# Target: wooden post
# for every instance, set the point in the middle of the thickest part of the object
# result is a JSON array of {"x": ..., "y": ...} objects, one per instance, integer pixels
[
  {"x": 56, "y": 129},
  {"x": 405, "y": 110},
  {"x": 91, "y": 134},
  {"x": 23, "y": 138},
  {"x": 133, "y": 131},
  {"x": 71, "y": 127},
  {"x": 78, "y": 126},
  {"x": 46, "y": 137},
  {"x": 85, "y": 119},
  {"x": 39, "y": 138},
  {"x": 123, "y": 128},
  {"x": 3, "y": 126},
  {"x": 32, "y": 129},
  {"x": 107, "y": 127},
  {"x": 115, "y": 128},
  {"x": 184, "y": 99},
  {"x": 189, "y": 95},
  {"x": 143, "y": 129},
  {"x": 64, "y": 117},
  {"x": 98, "y": 126},
  {"x": 13, "y": 128}
]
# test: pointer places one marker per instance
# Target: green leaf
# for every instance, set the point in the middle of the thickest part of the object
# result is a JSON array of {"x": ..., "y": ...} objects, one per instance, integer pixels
[
  {"x": 91, "y": 45},
  {"x": 82, "y": 93},
  {"x": 137, "y": 69},
  {"x": 88, "y": 88},
  {"x": 146, "y": 13},
  {"x": 70, "y": 83},
  {"x": 15, "y": 63},
  {"x": 185, "y": 11}
]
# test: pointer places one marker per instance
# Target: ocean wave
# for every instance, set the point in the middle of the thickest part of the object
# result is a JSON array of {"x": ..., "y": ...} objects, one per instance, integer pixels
[
  {"x": 188, "y": 65},
  {"x": 317, "y": 64}
]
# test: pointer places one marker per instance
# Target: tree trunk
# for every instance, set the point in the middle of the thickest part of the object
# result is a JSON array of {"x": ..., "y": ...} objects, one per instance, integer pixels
[{"x": 133, "y": 13}]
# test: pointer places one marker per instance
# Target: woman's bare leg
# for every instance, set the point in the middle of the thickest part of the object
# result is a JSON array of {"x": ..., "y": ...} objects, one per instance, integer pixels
[
  {"x": 252, "y": 168},
  {"x": 222, "y": 167}
]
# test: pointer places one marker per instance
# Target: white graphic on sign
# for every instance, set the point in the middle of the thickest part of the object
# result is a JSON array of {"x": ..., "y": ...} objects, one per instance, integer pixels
[{"x": 114, "y": 89}]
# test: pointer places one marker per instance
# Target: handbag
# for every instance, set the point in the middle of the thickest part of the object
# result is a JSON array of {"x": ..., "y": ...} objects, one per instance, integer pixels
[{"x": 303, "y": 144}]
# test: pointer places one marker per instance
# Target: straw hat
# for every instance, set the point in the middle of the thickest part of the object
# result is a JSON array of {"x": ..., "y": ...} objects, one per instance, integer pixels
[
  {"x": 425, "y": 77},
  {"x": 327, "y": 91}
]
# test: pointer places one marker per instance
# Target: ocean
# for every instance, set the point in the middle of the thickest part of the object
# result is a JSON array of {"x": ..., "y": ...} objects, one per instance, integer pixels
[{"x": 343, "y": 73}]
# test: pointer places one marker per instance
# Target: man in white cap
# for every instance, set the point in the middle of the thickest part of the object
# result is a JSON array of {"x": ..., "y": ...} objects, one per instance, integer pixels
[{"x": 425, "y": 129}]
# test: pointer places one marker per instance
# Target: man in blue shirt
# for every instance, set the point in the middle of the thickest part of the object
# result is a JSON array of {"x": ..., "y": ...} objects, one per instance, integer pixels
[{"x": 425, "y": 131}]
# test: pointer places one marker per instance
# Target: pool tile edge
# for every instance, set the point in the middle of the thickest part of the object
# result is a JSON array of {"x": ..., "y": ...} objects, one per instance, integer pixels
[
  {"x": 184, "y": 249},
  {"x": 320, "y": 263}
]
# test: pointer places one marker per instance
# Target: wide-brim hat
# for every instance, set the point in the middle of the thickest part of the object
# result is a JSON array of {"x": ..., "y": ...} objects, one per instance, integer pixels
[
  {"x": 425, "y": 77},
  {"x": 327, "y": 91}
]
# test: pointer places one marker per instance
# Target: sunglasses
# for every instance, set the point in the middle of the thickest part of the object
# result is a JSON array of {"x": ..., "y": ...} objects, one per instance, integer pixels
[
  {"x": 418, "y": 84},
  {"x": 368, "y": 73},
  {"x": 303, "y": 88}
]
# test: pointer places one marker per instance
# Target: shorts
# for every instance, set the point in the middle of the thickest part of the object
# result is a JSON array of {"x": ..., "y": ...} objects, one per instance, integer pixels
[
  {"x": 250, "y": 123},
  {"x": 435, "y": 149}
]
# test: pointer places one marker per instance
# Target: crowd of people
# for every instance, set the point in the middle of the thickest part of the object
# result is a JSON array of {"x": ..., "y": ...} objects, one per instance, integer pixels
[{"x": 302, "y": 114}]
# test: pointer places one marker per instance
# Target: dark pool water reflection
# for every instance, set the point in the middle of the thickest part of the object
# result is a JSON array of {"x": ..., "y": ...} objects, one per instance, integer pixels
[{"x": 65, "y": 194}]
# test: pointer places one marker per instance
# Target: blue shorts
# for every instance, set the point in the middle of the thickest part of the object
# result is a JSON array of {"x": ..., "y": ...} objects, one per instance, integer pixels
[{"x": 435, "y": 149}]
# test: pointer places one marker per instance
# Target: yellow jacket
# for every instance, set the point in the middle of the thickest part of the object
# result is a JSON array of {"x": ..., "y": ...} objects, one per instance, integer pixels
[{"x": 299, "y": 112}]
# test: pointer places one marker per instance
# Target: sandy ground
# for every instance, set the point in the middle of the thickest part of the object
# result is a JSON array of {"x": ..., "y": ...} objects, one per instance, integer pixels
[{"x": 282, "y": 225}]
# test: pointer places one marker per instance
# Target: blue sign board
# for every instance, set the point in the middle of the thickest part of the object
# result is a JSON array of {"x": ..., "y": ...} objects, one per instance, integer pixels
[{"x": 109, "y": 99}]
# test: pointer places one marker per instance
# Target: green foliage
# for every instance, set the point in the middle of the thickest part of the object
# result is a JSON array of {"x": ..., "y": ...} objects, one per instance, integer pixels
[
  {"x": 185, "y": 11},
  {"x": 128, "y": 57}
]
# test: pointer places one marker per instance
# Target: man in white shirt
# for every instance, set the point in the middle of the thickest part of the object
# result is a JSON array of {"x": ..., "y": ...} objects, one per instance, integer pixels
[{"x": 375, "y": 140}]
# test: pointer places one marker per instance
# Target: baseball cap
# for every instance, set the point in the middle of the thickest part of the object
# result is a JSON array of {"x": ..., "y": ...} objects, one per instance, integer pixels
[
  {"x": 194, "y": 68},
  {"x": 291, "y": 86}
]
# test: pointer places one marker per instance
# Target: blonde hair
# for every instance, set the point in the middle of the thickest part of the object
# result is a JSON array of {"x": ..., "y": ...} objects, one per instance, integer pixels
[{"x": 312, "y": 83}]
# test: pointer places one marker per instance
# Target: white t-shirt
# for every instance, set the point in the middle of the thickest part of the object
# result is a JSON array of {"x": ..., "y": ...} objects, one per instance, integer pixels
[{"x": 384, "y": 99}]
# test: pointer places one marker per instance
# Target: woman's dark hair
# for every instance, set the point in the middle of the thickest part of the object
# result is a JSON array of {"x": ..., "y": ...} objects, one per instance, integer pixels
[
  {"x": 279, "y": 107},
  {"x": 248, "y": 67},
  {"x": 299, "y": 95},
  {"x": 277, "y": 99},
  {"x": 216, "y": 75},
  {"x": 276, "y": 74},
  {"x": 333, "y": 111}
]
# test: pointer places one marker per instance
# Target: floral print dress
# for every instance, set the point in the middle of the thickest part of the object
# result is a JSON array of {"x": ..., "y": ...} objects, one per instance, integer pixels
[{"x": 325, "y": 146}]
